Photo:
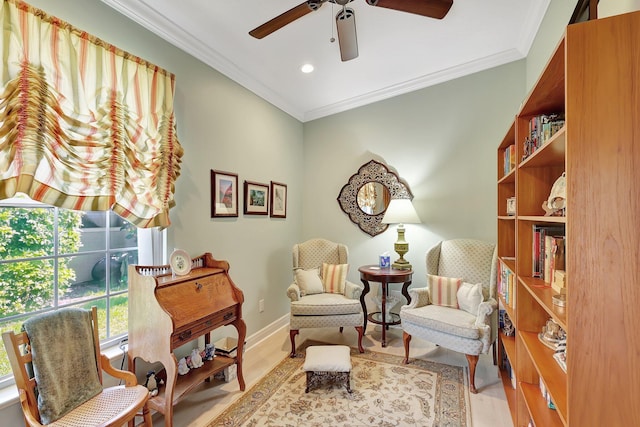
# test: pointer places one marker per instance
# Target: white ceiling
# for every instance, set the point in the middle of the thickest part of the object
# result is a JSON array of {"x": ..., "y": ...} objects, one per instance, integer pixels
[{"x": 398, "y": 52}]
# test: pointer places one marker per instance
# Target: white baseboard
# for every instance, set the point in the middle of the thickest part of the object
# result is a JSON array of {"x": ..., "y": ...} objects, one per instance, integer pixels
[{"x": 267, "y": 331}]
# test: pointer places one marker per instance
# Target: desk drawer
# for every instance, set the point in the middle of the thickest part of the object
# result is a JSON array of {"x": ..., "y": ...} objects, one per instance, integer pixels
[{"x": 194, "y": 330}]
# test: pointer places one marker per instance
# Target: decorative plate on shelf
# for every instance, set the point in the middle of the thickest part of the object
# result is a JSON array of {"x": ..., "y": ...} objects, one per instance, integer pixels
[{"x": 180, "y": 262}]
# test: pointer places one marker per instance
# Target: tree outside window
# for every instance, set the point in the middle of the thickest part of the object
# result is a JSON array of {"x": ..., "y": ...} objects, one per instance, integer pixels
[{"x": 52, "y": 258}]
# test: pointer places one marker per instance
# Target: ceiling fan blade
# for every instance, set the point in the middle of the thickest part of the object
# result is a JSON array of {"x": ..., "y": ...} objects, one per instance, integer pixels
[
  {"x": 346, "y": 24},
  {"x": 437, "y": 9},
  {"x": 286, "y": 18}
]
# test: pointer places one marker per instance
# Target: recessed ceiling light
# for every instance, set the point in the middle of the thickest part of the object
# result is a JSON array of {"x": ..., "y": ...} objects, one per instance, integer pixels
[{"x": 306, "y": 68}]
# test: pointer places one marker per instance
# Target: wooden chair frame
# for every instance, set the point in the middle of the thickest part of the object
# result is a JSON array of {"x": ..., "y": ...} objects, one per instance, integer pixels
[{"x": 17, "y": 346}]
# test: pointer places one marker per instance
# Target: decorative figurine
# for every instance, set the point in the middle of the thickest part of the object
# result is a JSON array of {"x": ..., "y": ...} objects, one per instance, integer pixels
[
  {"x": 209, "y": 351},
  {"x": 556, "y": 203},
  {"x": 152, "y": 383},
  {"x": 183, "y": 369},
  {"x": 196, "y": 360},
  {"x": 551, "y": 334}
]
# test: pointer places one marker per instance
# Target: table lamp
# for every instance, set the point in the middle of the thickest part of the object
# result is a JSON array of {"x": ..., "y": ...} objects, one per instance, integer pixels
[{"x": 401, "y": 211}]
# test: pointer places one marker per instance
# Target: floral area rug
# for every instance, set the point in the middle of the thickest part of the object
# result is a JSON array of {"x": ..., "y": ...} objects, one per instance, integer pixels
[{"x": 385, "y": 392}]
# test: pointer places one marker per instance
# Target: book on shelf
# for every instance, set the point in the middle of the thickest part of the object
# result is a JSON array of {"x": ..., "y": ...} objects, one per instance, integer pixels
[
  {"x": 541, "y": 129},
  {"x": 553, "y": 256},
  {"x": 509, "y": 159},
  {"x": 538, "y": 251},
  {"x": 506, "y": 283},
  {"x": 559, "y": 282}
]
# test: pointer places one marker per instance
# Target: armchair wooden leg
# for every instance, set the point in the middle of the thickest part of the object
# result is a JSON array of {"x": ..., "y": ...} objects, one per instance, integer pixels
[
  {"x": 473, "y": 361},
  {"x": 360, "y": 330},
  {"x": 341, "y": 328},
  {"x": 495, "y": 353},
  {"x": 406, "y": 339},
  {"x": 292, "y": 335}
]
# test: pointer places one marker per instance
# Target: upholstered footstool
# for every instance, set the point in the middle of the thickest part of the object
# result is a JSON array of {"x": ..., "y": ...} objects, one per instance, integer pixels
[{"x": 325, "y": 361}]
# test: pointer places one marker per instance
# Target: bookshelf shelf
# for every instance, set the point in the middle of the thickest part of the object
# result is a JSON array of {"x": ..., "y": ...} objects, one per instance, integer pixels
[
  {"x": 548, "y": 369},
  {"x": 509, "y": 178},
  {"x": 509, "y": 346},
  {"x": 509, "y": 391},
  {"x": 543, "y": 293},
  {"x": 580, "y": 83},
  {"x": 551, "y": 153},
  {"x": 544, "y": 219},
  {"x": 538, "y": 408}
]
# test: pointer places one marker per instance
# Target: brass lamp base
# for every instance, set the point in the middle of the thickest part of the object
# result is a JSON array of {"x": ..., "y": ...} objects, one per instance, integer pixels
[
  {"x": 401, "y": 247},
  {"x": 401, "y": 264}
]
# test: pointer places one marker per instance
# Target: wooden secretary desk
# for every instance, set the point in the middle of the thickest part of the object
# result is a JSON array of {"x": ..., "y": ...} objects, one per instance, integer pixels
[{"x": 168, "y": 311}]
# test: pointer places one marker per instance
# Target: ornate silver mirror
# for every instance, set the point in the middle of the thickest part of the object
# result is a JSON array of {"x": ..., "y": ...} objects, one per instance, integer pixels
[{"x": 366, "y": 196}]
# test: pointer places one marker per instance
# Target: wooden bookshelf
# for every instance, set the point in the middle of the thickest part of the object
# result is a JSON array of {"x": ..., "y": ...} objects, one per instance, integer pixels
[{"x": 591, "y": 78}]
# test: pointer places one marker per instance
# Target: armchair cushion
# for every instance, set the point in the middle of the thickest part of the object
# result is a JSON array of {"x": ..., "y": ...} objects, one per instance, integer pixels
[
  {"x": 444, "y": 290},
  {"x": 334, "y": 276},
  {"x": 325, "y": 304},
  {"x": 308, "y": 281},
  {"x": 469, "y": 297},
  {"x": 443, "y": 319}
]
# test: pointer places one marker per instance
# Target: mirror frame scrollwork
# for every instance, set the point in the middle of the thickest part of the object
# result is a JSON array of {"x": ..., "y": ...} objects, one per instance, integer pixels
[{"x": 373, "y": 171}]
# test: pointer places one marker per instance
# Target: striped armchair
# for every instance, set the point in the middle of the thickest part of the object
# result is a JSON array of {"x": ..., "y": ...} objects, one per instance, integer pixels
[
  {"x": 469, "y": 324},
  {"x": 317, "y": 304}
]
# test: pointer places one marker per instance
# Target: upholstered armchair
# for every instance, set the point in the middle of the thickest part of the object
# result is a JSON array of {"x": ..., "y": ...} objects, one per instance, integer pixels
[
  {"x": 458, "y": 308},
  {"x": 320, "y": 294}
]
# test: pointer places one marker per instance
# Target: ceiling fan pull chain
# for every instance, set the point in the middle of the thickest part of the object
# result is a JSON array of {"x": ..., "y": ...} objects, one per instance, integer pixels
[{"x": 332, "y": 39}]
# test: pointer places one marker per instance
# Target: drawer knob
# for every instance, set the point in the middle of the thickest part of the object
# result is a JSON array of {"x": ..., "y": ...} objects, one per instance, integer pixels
[
  {"x": 185, "y": 335},
  {"x": 198, "y": 286},
  {"x": 228, "y": 316}
]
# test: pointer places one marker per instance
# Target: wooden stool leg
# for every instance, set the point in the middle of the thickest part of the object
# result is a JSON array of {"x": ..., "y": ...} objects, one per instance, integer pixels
[{"x": 309, "y": 379}]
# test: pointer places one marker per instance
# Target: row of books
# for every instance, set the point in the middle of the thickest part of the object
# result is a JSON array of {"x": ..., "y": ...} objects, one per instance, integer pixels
[
  {"x": 506, "y": 284},
  {"x": 506, "y": 366},
  {"x": 548, "y": 254},
  {"x": 509, "y": 159},
  {"x": 541, "y": 129}
]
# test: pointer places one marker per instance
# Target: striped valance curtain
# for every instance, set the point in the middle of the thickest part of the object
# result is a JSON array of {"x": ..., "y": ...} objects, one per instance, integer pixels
[{"x": 84, "y": 125}]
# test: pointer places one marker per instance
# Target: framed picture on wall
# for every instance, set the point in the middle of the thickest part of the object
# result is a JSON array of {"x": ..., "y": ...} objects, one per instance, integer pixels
[
  {"x": 256, "y": 198},
  {"x": 224, "y": 194},
  {"x": 278, "y": 200}
]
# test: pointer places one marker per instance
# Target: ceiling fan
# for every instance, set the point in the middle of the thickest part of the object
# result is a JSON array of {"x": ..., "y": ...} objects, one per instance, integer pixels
[{"x": 346, "y": 20}]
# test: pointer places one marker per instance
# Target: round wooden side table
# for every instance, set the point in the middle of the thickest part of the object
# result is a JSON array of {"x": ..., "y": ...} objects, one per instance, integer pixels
[{"x": 384, "y": 276}]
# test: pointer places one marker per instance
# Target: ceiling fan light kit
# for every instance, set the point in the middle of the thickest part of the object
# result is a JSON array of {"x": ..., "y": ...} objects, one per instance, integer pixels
[
  {"x": 346, "y": 20},
  {"x": 346, "y": 25}
]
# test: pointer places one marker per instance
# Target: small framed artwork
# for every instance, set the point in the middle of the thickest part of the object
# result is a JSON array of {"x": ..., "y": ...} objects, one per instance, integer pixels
[
  {"x": 224, "y": 194},
  {"x": 278, "y": 200},
  {"x": 256, "y": 198}
]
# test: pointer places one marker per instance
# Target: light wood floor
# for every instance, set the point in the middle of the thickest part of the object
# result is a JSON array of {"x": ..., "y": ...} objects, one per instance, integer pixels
[{"x": 488, "y": 407}]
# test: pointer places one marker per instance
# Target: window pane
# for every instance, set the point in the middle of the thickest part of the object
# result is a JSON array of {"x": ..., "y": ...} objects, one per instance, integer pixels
[
  {"x": 69, "y": 231},
  {"x": 28, "y": 286},
  {"x": 15, "y": 326},
  {"x": 122, "y": 234},
  {"x": 26, "y": 232},
  {"x": 90, "y": 274},
  {"x": 93, "y": 232},
  {"x": 118, "y": 314},
  {"x": 120, "y": 262}
]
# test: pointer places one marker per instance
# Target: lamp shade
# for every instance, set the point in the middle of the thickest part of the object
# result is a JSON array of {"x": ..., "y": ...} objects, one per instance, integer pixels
[{"x": 400, "y": 211}]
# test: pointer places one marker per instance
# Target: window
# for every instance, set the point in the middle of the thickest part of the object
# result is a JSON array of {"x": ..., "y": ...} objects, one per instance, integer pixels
[{"x": 52, "y": 258}]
